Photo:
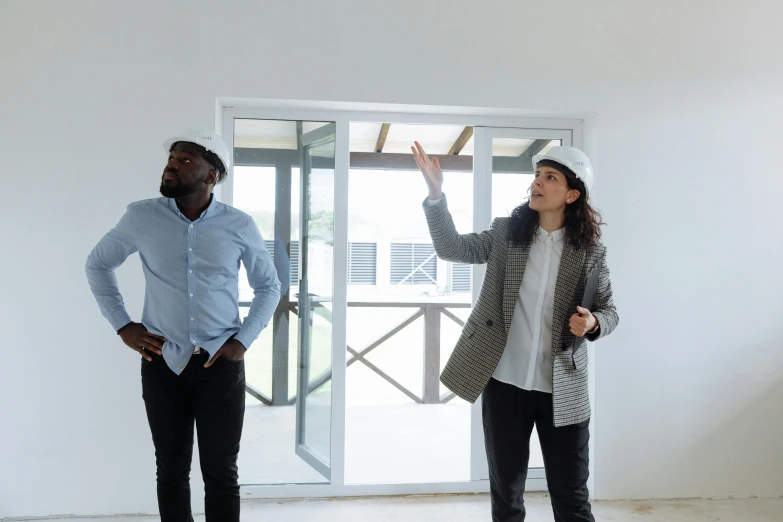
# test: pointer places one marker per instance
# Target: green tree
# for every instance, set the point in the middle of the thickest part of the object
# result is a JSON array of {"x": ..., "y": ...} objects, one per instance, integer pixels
[{"x": 322, "y": 227}]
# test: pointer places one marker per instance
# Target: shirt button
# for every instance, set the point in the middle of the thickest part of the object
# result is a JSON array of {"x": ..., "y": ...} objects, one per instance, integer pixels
[
  {"x": 191, "y": 295},
  {"x": 192, "y": 319},
  {"x": 190, "y": 271},
  {"x": 181, "y": 367},
  {"x": 193, "y": 341},
  {"x": 190, "y": 250}
]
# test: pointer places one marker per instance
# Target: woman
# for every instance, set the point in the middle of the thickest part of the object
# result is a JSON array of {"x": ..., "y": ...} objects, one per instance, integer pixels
[{"x": 516, "y": 346}]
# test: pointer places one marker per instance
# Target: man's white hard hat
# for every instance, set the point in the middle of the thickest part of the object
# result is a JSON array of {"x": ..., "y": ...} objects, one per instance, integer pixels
[{"x": 208, "y": 139}]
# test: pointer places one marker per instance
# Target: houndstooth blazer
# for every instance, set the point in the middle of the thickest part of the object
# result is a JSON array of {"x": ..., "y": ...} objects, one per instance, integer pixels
[{"x": 483, "y": 338}]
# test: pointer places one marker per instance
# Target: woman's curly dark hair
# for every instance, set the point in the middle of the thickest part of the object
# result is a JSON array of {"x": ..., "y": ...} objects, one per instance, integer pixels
[{"x": 582, "y": 222}]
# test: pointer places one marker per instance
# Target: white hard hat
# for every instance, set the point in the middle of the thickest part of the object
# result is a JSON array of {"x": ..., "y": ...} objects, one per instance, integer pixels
[
  {"x": 573, "y": 158},
  {"x": 209, "y": 140}
]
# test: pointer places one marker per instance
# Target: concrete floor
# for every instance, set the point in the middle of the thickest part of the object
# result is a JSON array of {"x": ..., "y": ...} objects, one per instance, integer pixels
[
  {"x": 470, "y": 508},
  {"x": 400, "y": 443}
]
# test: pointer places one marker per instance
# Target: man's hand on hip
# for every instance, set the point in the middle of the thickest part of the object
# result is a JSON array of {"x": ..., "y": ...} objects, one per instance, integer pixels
[
  {"x": 138, "y": 338},
  {"x": 232, "y": 350}
]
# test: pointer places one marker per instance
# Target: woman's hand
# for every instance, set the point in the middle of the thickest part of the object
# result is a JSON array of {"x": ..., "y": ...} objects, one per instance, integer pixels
[
  {"x": 582, "y": 322},
  {"x": 430, "y": 168}
]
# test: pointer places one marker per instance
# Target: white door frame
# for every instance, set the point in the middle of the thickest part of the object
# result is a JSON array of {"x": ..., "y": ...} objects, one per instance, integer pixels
[{"x": 488, "y": 122}]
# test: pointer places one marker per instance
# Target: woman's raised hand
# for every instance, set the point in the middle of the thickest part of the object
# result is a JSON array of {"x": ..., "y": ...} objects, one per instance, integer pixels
[{"x": 430, "y": 168}]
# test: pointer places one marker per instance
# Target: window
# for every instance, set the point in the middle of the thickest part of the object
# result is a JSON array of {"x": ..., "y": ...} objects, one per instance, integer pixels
[
  {"x": 460, "y": 277},
  {"x": 362, "y": 259},
  {"x": 413, "y": 264},
  {"x": 294, "y": 278},
  {"x": 512, "y": 170}
]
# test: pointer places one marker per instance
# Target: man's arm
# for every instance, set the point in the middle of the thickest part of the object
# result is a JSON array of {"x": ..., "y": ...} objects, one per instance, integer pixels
[
  {"x": 262, "y": 276},
  {"x": 108, "y": 254}
]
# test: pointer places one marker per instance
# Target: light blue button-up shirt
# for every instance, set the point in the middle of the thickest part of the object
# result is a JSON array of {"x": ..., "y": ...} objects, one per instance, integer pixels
[{"x": 192, "y": 274}]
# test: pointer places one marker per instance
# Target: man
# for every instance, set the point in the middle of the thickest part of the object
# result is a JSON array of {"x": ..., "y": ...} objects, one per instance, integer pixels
[{"x": 190, "y": 337}]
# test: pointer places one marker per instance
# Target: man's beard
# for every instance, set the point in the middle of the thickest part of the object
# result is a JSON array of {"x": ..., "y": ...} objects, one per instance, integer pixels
[{"x": 178, "y": 189}]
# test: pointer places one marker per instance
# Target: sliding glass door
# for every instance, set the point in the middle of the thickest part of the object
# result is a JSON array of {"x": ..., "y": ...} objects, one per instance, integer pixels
[
  {"x": 316, "y": 224},
  {"x": 343, "y": 391}
]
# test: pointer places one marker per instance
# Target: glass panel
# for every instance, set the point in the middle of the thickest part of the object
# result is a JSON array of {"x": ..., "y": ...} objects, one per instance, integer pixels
[
  {"x": 512, "y": 171},
  {"x": 265, "y": 134},
  {"x": 512, "y": 175},
  {"x": 293, "y": 340},
  {"x": 364, "y": 136},
  {"x": 315, "y": 305},
  {"x": 254, "y": 193},
  {"x": 391, "y": 436},
  {"x": 266, "y": 175}
]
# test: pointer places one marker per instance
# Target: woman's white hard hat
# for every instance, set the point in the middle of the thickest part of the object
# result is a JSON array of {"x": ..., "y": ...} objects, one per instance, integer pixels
[{"x": 573, "y": 158}]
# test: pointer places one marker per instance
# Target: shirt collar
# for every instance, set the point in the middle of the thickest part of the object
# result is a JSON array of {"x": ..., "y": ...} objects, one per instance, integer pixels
[
  {"x": 210, "y": 208},
  {"x": 557, "y": 235}
]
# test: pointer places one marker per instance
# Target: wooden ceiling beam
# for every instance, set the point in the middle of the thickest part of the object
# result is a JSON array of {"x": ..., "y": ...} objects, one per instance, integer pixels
[
  {"x": 382, "y": 137},
  {"x": 534, "y": 148},
  {"x": 463, "y": 139}
]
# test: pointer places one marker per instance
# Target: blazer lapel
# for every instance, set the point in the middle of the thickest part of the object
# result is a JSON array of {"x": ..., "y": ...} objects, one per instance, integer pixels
[
  {"x": 571, "y": 265},
  {"x": 516, "y": 261}
]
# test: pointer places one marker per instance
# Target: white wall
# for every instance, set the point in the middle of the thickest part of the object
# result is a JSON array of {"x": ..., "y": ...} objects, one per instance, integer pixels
[{"x": 689, "y": 393}]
